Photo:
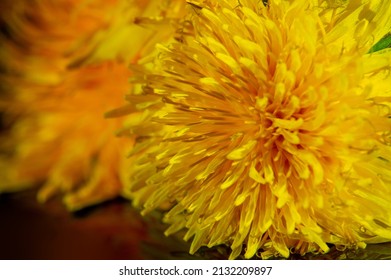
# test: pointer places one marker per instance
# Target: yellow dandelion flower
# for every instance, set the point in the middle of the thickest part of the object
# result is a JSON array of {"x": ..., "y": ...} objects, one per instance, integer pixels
[
  {"x": 266, "y": 127},
  {"x": 65, "y": 64}
]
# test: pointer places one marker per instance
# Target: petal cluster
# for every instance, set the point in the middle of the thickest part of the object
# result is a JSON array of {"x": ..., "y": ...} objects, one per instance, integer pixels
[{"x": 266, "y": 126}]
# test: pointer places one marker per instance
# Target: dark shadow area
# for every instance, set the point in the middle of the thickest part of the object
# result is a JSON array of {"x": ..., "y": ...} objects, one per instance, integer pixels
[{"x": 110, "y": 231}]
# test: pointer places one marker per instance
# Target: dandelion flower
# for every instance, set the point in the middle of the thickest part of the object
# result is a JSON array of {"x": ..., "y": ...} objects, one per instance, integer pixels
[
  {"x": 266, "y": 127},
  {"x": 65, "y": 64}
]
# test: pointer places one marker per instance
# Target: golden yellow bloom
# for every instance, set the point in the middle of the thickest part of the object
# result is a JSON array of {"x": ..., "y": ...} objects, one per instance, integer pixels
[
  {"x": 266, "y": 127},
  {"x": 65, "y": 64}
]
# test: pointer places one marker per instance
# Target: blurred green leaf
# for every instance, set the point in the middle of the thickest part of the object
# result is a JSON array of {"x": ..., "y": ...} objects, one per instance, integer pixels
[{"x": 384, "y": 43}]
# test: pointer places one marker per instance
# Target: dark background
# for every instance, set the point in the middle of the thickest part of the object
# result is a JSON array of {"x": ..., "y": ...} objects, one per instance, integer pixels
[{"x": 111, "y": 231}]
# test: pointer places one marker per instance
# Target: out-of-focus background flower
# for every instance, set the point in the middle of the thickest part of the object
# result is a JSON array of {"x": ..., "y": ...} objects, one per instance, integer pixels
[{"x": 64, "y": 64}]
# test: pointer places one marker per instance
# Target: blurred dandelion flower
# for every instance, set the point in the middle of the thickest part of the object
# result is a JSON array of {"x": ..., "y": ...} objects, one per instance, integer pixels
[
  {"x": 266, "y": 127},
  {"x": 64, "y": 64}
]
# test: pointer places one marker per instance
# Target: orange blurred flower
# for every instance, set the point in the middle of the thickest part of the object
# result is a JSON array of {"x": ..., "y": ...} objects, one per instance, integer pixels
[{"x": 65, "y": 64}]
